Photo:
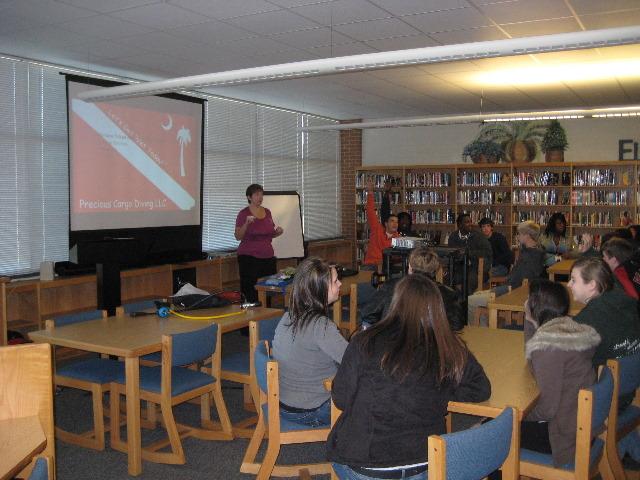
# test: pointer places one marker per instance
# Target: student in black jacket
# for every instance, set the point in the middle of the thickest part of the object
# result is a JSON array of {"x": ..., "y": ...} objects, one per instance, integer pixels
[
  {"x": 502, "y": 254},
  {"x": 424, "y": 261},
  {"x": 394, "y": 384}
]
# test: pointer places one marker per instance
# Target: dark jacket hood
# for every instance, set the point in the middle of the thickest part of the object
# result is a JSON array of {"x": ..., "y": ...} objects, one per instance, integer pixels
[{"x": 563, "y": 333}]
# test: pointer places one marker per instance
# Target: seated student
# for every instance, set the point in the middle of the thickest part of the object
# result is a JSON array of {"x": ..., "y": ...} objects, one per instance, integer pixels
[
  {"x": 560, "y": 351},
  {"x": 394, "y": 384},
  {"x": 555, "y": 241},
  {"x": 615, "y": 317},
  {"x": 477, "y": 246},
  {"x": 529, "y": 265},
  {"x": 616, "y": 252},
  {"x": 422, "y": 260},
  {"x": 308, "y": 345},
  {"x": 502, "y": 255}
]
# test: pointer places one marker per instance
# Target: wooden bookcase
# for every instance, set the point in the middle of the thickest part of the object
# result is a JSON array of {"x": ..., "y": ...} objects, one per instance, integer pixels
[{"x": 593, "y": 196}]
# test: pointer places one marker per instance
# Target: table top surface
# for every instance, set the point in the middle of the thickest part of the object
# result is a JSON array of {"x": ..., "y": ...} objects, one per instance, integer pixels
[
  {"x": 362, "y": 276},
  {"x": 562, "y": 267},
  {"x": 501, "y": 354},
  {"x": 514, "y": 301},
  {"x": 125, "y": 336},
  {"x": 20, "y": 440}
]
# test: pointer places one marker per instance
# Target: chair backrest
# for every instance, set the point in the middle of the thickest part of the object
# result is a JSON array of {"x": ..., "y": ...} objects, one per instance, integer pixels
[
  {"x": 602, "y": 392},
  {"x": 267, "y": 328},
  {"x": 40, "y": 470},
  {"x": 474, "y": 453},
  {"x": 138, "y": 306},
  {"x": 78, "y": 317},
  {"x": 191, "y": 347},
  {"x": 629, "y": 368},
  {"x": 260, "y": 359}
]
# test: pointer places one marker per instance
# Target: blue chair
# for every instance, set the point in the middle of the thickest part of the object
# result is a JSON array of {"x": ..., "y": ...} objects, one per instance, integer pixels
[
  {"x": 280, "y": 431},
  {"x": 171, "y": 384},
  {"x": 594, "y": 404},
  {"x": 72, "y": 318},
  {"x": 475, "y": 453},
  {"x": 626, "y": 381},
  {"x": 238, "y": 366},
  {"x": 41, "y": 469},
  {"x": 92, "y": 375}
]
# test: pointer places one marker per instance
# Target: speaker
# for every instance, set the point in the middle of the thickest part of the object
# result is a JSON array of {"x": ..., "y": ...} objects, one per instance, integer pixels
[{"x": 46, "y": 271}]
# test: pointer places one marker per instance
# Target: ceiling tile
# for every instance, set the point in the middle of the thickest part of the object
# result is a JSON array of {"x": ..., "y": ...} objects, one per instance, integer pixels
[
  {"x": 297, "y": 3},
  {"x": 254, "y": 46},
  {"x": 482, "y": 34},
  {"x": 314, "y": 37},
  {"x": 341, "y": 50},
  {"x": 44, "y": 12},
  {"x": 160, "y": 15},
  {"x": 608, "y": 20},
  {"x": 391, "y": 74},
  {"x": 224, "y": 8},
  {"x": 210, "y": 32},
  {"x": 51, "y": 37},
  {"x": 341, "y": 11},
  {"x": 446, "y": 20},
  {"x": 272, "y": 23},
  {"x": 375, "y": 29},
  {"x": 598, "y": 6},
  {"x": 600, "y": 93},
  {"x": 106, "y": 49},
  {"x": 525, "y": 10},
  {"x": 402, "y": 43},
  {"x": 103, "y": 6},
  {"x": 542, "y": 27},
  {"x": 284, "y": 56},
  {"x": 104, "y": 26},
  {"x": 408, "y": 7},
  {"x": 559, "y": 97}
]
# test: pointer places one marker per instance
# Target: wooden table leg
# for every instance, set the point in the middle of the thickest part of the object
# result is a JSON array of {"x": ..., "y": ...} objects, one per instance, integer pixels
[
  {"x": 134, "y": 439},
  {"x": 493, "y": 317},
  {"x": 552, "y": 276},
  {"x": 262, "y": 297}
]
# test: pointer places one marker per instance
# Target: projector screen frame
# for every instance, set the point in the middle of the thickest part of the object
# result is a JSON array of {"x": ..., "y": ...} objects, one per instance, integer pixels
[{"x": 159, "y": 244}]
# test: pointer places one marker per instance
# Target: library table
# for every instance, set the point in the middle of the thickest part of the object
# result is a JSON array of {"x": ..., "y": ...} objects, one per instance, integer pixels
[
  {"x": 349, "y": 287},
  {"x": 21, "y": 439},
  {"x": 563, "y": 267},
  {"x": 514, "y": 302},
  {"x": 132, "y": 338},
  {"x": 501, "y": 354}
]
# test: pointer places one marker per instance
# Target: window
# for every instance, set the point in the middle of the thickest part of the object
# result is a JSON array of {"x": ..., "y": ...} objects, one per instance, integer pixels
[{"x": 244, "y": 143}]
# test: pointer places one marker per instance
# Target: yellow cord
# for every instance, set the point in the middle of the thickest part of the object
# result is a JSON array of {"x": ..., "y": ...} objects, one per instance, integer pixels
[{"x": 191, "y": 317}]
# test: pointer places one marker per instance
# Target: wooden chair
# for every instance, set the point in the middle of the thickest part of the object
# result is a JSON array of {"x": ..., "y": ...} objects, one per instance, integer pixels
[
  {"x": 475, "y": 453},
  {"x": 280, "y": 431},
  {"x": 594, "y": 405},
  {"x": 42, "y": 469},
  {"x": 626, "y": 381},
  {"x": 93, "y": 375},
  {"x": 351, "y": 325},
  {"x": 172, "y": 384},
  {"x": 26, "y": 384},
  {"x": 239, "y": 367}
]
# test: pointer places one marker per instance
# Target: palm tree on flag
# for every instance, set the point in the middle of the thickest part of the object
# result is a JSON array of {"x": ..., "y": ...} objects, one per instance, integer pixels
[{"x": 184, "y": 137}]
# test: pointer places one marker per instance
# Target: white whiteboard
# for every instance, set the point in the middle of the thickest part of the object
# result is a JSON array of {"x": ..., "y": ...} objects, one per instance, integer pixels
[{"x": 285, "y": 210}]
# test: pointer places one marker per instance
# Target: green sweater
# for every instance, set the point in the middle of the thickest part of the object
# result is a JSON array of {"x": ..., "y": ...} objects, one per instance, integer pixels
[{"x": 614, "y": 315}]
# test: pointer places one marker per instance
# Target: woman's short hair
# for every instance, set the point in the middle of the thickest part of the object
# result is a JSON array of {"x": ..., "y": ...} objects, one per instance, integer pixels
[
  {"x": 530, "y": 228},
  {"x": 424, "y": 260},
  {"x": 596, "y": 269},
  {"x": 485, "y": 221},
  {"x": 253, "y": 188},
  {"x": 618, "y": 248},
  {"x": 551, "y": 224},
  {"x": 309, "y": 292},
  {"x": 547, "y": 300}
]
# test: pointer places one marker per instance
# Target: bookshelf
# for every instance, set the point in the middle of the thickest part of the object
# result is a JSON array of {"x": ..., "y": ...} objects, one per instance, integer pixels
[{"x": 593, "y": 196}]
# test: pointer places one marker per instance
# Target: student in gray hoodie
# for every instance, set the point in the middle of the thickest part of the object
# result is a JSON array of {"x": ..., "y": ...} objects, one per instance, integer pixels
[{"x": 560, "y": 352}]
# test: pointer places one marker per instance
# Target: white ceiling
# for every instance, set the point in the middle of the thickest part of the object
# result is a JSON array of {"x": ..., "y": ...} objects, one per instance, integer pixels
[{"x": 152, "y": 39}]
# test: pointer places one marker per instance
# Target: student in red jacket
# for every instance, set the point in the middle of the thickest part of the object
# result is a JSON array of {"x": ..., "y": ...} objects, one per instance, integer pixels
[
  {"x": 616, "y": 252},
  {"x": 379, "y": 236}
]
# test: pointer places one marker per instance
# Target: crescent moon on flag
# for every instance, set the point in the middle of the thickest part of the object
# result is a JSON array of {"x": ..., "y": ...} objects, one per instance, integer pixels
[{"x": 169, "y": 124}]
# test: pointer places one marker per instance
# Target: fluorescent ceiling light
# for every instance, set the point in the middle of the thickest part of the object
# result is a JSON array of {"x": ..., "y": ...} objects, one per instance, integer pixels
[
  {"x": 605, "y": 112},
  {"x": 564, "y": 72},
  {"x": 374, "y": 61}
]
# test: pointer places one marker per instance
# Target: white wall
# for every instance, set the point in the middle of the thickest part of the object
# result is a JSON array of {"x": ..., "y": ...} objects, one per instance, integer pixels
[{"x": 589, "y": 140}]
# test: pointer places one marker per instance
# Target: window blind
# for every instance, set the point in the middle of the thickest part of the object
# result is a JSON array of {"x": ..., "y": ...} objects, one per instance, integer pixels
[{"x": 244, "y": 143}]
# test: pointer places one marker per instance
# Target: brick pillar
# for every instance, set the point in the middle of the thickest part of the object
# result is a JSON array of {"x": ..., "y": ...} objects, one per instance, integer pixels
[{"x": 350, "y": 160}]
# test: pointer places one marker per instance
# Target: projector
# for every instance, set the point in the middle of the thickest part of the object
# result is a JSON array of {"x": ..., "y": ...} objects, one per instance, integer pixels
[{"x": 407, "y": 242}]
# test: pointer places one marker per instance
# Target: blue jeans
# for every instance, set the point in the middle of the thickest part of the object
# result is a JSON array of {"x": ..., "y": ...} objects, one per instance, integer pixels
[
  {"x": 630, "y": 445},
  {"x": 320, "y": 417},
  {"x": 345, "y": 473}
]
